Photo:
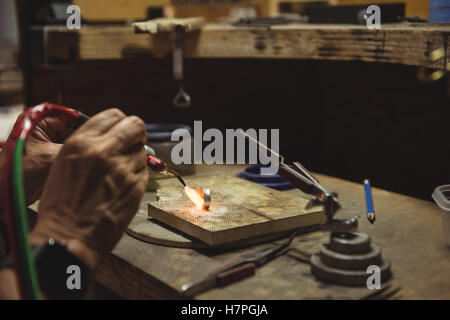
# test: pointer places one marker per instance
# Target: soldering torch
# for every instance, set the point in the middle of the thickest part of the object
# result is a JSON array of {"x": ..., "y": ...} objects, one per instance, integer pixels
[{"x": 153, "y": 162}]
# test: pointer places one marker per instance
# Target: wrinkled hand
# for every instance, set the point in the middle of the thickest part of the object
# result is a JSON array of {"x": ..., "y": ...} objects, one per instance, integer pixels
[
  {"x": 94, "y": 186},
  {"x": 41, "y": 149}
]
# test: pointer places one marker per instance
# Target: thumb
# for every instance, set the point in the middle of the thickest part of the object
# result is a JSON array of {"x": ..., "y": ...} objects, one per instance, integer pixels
[{"x": 52, "y": 129}]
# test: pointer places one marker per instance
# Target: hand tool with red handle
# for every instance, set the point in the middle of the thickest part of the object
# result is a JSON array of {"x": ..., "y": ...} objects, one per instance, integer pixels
[{"x": 235, "y": 271}]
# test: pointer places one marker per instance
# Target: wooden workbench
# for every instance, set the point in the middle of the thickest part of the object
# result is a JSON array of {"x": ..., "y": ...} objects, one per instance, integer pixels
[
  {"x": 405, "y": 43},
  {"x": 408, "y": 231}
]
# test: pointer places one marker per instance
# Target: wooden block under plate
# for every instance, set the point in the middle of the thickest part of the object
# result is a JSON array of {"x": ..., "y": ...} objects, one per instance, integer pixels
[{"x": 239, "y": 209}]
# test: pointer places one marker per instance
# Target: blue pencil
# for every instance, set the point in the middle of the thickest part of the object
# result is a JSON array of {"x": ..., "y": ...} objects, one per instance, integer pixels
[{"x": 369, "y": 202}]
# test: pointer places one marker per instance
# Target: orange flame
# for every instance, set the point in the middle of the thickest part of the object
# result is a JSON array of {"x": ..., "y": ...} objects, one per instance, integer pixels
[{"x": 195, "y": 196}]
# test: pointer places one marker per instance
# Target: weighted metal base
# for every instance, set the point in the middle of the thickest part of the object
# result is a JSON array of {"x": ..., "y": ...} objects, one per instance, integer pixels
[{"x": 345, "y": 260}]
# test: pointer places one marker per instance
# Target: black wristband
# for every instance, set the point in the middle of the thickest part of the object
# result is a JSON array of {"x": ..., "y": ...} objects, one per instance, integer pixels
[
  {"x": 4, "y": 252},
  {"x": 62, "y": 275}
]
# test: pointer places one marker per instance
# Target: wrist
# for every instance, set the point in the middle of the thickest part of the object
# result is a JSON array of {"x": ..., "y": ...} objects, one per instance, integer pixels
[
  {"x": 1, "y": 183},
  {"x": 62, "y": 275},
  {"x": 42, "y": 232},
  {"x": 82, "y": 251}
]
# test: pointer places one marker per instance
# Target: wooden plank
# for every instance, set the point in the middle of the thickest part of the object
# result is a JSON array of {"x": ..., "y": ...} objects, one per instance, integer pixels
[
  {"x": 154, "y": 26},
  {"x": 239, "y": 210},
  {"x": 216, "y": 12},
  {"x": 405, "y": 43},
  {"x": 408, "y": 231}
]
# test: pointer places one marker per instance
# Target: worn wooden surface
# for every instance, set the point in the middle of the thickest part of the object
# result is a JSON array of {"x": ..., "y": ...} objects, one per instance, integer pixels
[
  {"x": 168, "y": 25},
  {"x": 405, "y": 43},
  {"x": 239, "y": 209},
  {"x": 408, "y": 231}
]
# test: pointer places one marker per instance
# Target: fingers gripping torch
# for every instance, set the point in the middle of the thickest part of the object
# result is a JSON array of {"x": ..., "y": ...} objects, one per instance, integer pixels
[
  {"x": 153, "y": 162},
  {"x": 13, "y": 194}
]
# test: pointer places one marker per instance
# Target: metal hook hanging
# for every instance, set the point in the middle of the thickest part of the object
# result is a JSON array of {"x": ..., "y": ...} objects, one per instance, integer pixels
[{"x": 182, "y": 99}]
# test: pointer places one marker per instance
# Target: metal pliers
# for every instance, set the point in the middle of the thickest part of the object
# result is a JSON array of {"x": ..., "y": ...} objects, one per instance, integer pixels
[{"x": 299, "y": 177}]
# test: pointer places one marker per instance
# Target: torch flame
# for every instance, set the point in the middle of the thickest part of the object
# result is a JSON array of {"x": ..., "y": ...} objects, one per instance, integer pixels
[{"x": 195, "y": 196}]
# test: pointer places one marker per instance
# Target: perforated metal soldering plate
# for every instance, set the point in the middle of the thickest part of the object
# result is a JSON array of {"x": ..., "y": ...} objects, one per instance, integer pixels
[{"x": 239, "y": 209}]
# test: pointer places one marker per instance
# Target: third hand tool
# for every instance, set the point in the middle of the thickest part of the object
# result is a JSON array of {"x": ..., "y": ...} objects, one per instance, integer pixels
[{"x": 299, "y": 177}]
